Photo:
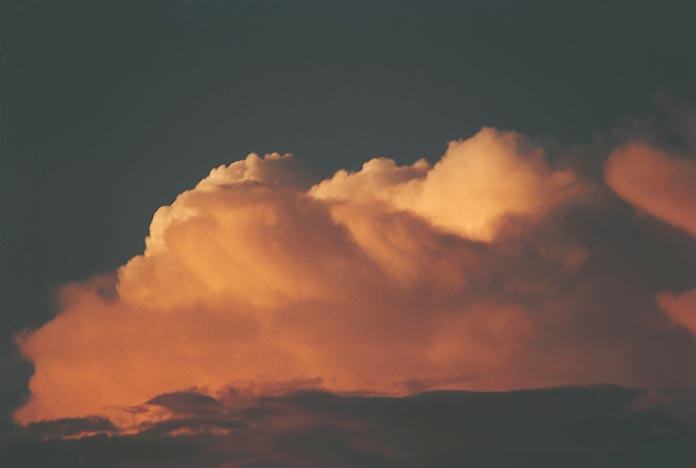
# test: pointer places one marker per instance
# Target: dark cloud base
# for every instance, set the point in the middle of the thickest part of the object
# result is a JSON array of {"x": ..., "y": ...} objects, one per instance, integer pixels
[{"x": 601, "y": 426}]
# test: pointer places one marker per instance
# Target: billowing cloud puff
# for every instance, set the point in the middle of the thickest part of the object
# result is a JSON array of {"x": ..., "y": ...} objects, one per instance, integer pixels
[
  {"x": 665, "y": 187},
  {"x": 470, "y": 191},
  {"x": 389, "y": 280}
]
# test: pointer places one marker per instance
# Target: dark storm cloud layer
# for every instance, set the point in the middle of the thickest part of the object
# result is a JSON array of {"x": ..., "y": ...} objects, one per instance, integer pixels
[{"x": 565, "y": 427}]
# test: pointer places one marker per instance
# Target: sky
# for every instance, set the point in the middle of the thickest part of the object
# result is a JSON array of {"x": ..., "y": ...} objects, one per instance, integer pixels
[{"x": 261, "y": 233}]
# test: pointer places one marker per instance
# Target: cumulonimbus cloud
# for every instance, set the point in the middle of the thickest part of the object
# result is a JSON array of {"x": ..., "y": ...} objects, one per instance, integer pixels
[
  {"x": 664, "y": 186},
  {"x": 390, "y": 279}
]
